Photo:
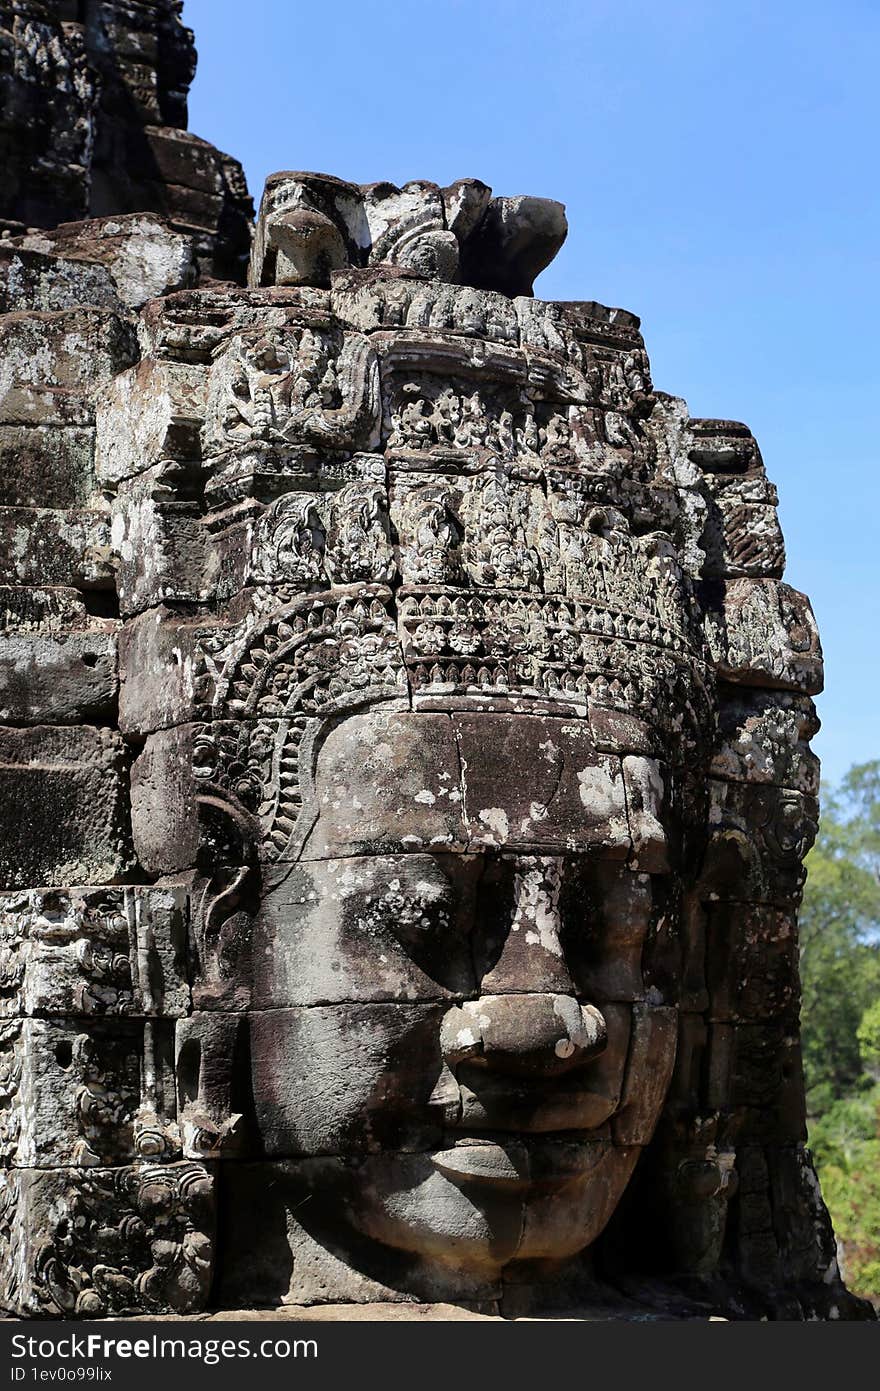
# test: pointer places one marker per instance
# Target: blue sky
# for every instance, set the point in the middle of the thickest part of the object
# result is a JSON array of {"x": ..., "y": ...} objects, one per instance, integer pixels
[{"x": 718, "y": 163}]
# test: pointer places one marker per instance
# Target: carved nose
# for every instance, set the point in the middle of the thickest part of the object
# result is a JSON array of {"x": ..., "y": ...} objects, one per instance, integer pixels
[{"x": 523, "y": 1034}]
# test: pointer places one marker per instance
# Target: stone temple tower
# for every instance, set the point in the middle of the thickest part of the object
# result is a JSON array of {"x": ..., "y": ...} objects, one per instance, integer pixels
[{"x": 404, "y": 751}]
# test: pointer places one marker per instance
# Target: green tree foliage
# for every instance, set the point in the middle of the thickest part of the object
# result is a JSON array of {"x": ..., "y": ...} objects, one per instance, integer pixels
[
  {"x": 840, "y": 973},
  {"x": 869, "y": 1040},
  {"x": 847, "y": 1152}
]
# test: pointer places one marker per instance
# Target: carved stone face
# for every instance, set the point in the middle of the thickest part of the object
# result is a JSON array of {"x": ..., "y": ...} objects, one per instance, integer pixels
[{"x": 463, "y": 1018}]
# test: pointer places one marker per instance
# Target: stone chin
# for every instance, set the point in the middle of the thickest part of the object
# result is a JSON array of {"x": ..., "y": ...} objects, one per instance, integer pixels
[{"x": 479, "y": 1205}]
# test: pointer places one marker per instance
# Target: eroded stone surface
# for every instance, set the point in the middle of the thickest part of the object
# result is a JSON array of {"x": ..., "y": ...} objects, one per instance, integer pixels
[
  {"x": 95, "y": 951},
  {"x": 67, "y": 788},
  {"x": 84, "y": 1243},
  {"x": 97, "y": 103}
]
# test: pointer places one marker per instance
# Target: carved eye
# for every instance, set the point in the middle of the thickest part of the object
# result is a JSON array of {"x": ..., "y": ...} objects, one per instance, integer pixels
[{"x": 419, "y": 913}]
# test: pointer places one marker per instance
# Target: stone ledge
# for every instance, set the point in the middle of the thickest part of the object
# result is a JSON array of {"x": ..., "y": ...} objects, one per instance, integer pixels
[{"x": 418, "y": 1313}]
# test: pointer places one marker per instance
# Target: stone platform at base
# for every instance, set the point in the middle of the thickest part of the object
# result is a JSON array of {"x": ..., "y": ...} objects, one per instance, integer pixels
[{"x": 422, "y": 1313}]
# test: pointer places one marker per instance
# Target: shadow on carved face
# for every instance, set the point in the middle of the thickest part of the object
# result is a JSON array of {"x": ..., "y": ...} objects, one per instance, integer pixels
[{"x": 453, "y": 1024}]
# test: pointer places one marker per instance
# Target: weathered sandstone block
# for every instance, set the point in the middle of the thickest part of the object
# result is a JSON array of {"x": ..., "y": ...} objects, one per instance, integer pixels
[
  {"x": 90, "y": 1242},
  {"x": 75, "y": 349},
  {"x": 764, "y": 634},
  {"x": 68, "y": 789},
  {"x": 41, "y": 546},
  {"x": 43, "y": 283},
  {"x": 151, "y": 412},
  {"x": 138, "y": 253},
  {"x": 58, "y": 680},
  {"x": 162, "y": 547},
  {"x": 162, "y": 681},
  {"x": 79, "y": 1085},
  {"x": 47, "y": 466},
  {"x": 95, "y": 951}
]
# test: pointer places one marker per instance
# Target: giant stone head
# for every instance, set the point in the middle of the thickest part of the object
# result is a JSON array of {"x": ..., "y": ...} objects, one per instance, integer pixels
[{"x": 472, "y": 718}]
